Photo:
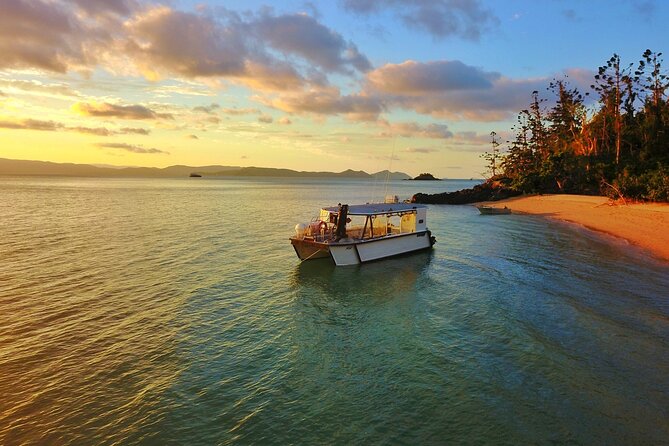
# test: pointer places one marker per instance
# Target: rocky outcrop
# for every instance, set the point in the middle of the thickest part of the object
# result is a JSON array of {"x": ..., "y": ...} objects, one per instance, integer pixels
[
  {"x": 426, "y": 177},
  {"x": 488, "y": 191}
]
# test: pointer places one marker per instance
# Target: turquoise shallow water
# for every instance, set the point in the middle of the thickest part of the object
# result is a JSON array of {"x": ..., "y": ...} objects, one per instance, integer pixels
[{"x": 176, "y": 312}]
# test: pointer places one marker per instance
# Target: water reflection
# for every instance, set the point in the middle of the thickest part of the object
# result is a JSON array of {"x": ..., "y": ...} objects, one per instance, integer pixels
[{"x": 379, "y": 280}]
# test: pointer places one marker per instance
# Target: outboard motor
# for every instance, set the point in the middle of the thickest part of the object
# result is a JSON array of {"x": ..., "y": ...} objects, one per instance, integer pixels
[{"x": 341, "y": 222}]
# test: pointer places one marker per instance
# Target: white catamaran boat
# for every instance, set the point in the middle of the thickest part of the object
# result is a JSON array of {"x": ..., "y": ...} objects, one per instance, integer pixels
[{"x": 355, "y": 234}]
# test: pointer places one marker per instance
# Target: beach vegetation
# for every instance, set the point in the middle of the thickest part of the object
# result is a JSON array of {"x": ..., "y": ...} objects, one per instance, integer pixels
[{"x": 611, "y": 140}]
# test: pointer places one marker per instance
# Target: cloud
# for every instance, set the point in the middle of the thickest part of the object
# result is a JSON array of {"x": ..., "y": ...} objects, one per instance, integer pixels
[
  {"x": 207, "y": 108},
  {"x": 570, "y": 14},
  {"x": 52, "y": 126},
  {"x": 412, "y": 77},
  {"x": 439, "y": 18},
  {"x": 31, "y": 124},
  {"x": 474, "y": 138},
  {"x": 105, "y": 7},
  {"x": 413, "y": 129},
  {"x": 192, "y": 137},
  {"x": 133, "y": 130},
  {"x": 285, "y": 58},
  {"x": 58, "y": 35},
  {"x": 130, "y": 148},
  {"x": 645, "y": 8},
  {"x": 328, "y": 101},
  {"x": 107, "y": 110},
  {"x": 424, "y": 150},
  {"x": 184, "y": 43},
  {"x": 266, "y": 119},
  {"x": 99, "y": 131},
  {"x": 194, "y": 45},
  {"x": 39, "y": 34},
  {"x": 504, "y": 100},
  {"x": 304, "y": 36},
  {"x": 263, "y": 51},
  {"x": 456, "y": 91},
  {"x": 240, "y": 111},
  {"x": 32, "y": 86},
  {"x": 285, "y": 120},
  {"x": 103, "y": 131},
  {"x": 270, "y": 76},
  {"x": 181, "y": 88},
  {"x": 453, "y": 90}
]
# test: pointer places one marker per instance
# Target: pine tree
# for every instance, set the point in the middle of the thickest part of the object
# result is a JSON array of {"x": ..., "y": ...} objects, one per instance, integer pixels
[
  {"x": 538, "y": 140},
  {"x": 610, "y": 81},
  {"x": 566, "y": 117},
  {"x": 494, "y": 156}
]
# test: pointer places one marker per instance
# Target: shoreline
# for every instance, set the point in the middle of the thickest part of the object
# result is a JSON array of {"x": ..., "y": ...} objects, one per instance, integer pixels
[{"x": 644, "y": 225}]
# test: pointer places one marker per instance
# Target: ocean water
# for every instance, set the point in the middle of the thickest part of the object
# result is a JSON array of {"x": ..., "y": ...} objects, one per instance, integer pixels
[{"x": 151, "y": 311}]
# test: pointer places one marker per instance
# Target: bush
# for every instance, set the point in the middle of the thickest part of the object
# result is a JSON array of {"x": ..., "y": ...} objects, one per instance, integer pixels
[
  {"x": 657, "y": 183},
  {"x": 652, "y": 185}
]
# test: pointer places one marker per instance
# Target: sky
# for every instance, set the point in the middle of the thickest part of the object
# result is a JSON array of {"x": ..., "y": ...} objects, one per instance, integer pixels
[{"x": 406, "y": 85}]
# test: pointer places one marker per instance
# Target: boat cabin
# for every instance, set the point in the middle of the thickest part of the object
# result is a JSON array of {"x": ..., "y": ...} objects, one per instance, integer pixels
[{"x": 368, "y": 221}]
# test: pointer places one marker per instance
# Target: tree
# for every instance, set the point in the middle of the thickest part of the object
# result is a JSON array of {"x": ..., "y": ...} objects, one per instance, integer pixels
[
  {"x": 521, "y": 162},
  {"x": 538, "y": 140},
  {"x": 654, "y": 82},
  {"x": 566, "y": 117},
  {"x": 565, "y": 148},
  {"x": 494, "y": 156},
  {"x": 609, "y": 83},
  {"x": 654, "y": 123}
]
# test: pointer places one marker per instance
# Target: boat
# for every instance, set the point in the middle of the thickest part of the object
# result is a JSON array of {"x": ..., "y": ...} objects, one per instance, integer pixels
[
  {"x": 355, "y": 234},
  {"x": 490, "y": 210},
  {"x": 195, "y": 175}
]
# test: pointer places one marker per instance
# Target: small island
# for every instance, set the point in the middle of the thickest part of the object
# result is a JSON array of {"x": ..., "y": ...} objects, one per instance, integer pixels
[{"x": 425, "y": 177}]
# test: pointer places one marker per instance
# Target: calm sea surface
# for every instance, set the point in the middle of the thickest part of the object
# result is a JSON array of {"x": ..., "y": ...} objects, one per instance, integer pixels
[{"x": 151, "y": 311}]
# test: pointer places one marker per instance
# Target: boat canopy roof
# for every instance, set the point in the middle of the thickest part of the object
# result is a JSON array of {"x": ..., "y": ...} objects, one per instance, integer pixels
[{"x": 377, "y": 208}]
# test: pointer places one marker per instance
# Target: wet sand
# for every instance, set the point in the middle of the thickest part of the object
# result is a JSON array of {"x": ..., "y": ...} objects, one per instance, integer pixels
[{"x": 645, "y": 225}]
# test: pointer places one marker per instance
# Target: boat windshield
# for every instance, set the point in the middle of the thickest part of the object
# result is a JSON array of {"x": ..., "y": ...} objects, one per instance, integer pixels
[{"x": 382, "y": 225}]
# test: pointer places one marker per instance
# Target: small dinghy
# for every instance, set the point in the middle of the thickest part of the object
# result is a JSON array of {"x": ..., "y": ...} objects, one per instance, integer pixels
[{"x": 490, "y": 210}]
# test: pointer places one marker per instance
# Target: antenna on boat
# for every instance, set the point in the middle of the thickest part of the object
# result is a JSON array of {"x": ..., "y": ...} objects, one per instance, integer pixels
[{"x": 390, "y": 165}]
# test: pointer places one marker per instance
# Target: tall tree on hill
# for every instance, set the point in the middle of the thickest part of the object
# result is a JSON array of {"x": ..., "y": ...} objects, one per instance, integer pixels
[
  {"x": 494, "y": 156},
  {"x": 654, "y": 125},
  {"x": 521, "y": 163},
  {"x": 610, "y": 83},
  {"x": 538, "y": 140},
  {"x": 566, "y": 117},
  {"x": 651, "y": 77}
]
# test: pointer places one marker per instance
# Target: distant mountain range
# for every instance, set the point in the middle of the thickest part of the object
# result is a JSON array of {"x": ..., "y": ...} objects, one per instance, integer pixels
[{"x": 23, "y": 167}]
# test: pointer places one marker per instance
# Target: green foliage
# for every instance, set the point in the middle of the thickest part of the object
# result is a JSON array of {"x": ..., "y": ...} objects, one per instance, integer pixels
[
  {"x": 623, "y": 144},
  {"x": 652, "y": 185}
]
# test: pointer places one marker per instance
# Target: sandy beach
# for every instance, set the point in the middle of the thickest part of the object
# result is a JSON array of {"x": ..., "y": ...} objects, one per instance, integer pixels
[{"x": 645, "y": 225}]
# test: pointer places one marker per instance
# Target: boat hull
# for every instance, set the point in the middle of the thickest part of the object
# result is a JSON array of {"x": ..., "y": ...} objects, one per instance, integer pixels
[
  {"x": 369, "y": 250},
  {"x": 355, "y": 252},
  {"x": 309, "y": 249}
]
